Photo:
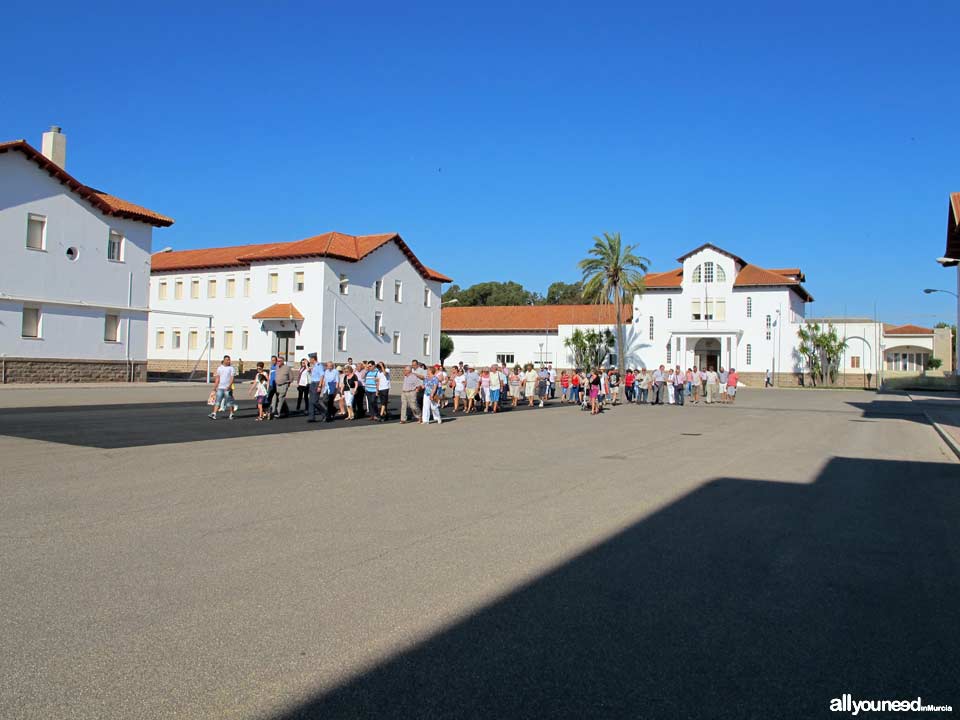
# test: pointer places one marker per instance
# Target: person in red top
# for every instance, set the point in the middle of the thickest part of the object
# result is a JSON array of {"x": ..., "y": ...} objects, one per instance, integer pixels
[
  {"x": 628, "y": 380},
  {"x": 575, "y": 387},
  {"x": 564, "y": 386},
  {"x": 732, "y": 380}
]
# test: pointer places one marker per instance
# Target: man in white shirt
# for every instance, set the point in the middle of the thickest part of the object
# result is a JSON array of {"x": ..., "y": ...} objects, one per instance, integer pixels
[
  {"x": 223, "y": 388},
  {"x": 552, "y": 374}
]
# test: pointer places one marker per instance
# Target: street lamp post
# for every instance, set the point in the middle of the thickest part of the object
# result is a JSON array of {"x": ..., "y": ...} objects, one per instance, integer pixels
[{"x": 927, "y": 291}]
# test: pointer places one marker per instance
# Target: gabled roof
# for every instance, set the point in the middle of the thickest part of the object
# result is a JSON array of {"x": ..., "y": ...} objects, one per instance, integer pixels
[
  {"x": 906, "y": 330},
  {"x": 668, "y": 279},
  {"x": 105, "y": 203},
  {"x": 711, "y": 246},
  {"x": 523, "y": 318},
  {"x": 794, "y": 273},
  {"x": 331, "y": 244},
  {"x": 279, "y": 311},
  {"x": 753, "y": 276}
]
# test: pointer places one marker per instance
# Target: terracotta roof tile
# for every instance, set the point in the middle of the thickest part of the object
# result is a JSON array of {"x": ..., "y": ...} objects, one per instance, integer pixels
[
  {"x": 279, "y": 311},
  {"x": 527, "y": 317},
  {"x": 906, "y": 330},
  {"x": 330, "y": 244},
  {"x": 753, "y": 276},
  {"x": 108, "y": 204},
  {"x": 668, "y": 279}
]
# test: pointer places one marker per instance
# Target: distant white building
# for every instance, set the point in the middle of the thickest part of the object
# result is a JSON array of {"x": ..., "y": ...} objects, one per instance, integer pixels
[
  {"x": 75, "y": 274},
  {"x": 716, "y": 310},
  {"x": 340, "y": 296}
]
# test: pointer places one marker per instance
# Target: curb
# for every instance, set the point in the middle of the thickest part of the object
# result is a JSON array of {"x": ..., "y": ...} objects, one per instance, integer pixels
[{"x": 947, "y": 438}]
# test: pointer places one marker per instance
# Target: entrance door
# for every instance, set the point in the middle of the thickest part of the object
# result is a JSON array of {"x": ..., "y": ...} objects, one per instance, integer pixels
[
  {"x": 706, "y": 353},
  {"x": 284, "y": 343}
]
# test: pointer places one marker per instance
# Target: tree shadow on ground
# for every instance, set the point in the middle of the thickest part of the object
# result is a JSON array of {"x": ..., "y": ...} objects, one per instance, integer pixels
[{"x": 743, "y": 599}]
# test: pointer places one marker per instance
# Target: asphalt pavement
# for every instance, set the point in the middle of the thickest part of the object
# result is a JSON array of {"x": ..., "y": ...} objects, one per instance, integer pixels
[{"x": 726, "y": 562}]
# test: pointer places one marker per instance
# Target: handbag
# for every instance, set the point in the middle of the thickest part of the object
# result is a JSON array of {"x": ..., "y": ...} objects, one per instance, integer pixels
[{"x": 212, "y": 398}]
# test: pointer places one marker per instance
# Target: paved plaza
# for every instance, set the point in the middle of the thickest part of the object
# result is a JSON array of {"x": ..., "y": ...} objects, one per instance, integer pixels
[{"x": 653, "y": 562}]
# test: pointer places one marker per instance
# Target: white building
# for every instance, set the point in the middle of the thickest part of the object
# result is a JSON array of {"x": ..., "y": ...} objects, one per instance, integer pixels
[
  {"x": 341, "y": 296},
  {"x": 716, "y": 309},
  {"x": 75, "y": 276}
]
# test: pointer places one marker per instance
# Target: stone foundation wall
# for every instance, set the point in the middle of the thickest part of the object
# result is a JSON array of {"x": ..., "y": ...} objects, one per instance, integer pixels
[
  {"x": 844, "y": 380},
  {"x": 55, "y": 370}
]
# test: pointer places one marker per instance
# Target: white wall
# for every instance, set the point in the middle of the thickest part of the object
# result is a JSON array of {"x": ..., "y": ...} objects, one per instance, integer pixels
[
  {"x": 321, "y": 304},
  {"x": 49, "y": 275},
  {"x": 481, "y": 349}
]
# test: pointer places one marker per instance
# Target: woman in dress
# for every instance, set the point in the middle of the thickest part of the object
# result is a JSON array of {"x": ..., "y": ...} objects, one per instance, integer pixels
[{"x": 595, "y": 385}]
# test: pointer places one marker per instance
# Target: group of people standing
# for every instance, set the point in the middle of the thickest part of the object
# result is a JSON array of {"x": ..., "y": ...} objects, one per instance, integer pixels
[{"x": 362, "y": 389}]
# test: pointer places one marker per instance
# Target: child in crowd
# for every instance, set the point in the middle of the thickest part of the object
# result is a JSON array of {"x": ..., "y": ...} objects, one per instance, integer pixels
[{"x": 259, "y": 388}]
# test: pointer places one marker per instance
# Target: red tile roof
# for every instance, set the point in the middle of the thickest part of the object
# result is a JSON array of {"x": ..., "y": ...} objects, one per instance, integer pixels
[
  {"x": 107, "y": 204},
  {"x": 279, "y": 311},
  {"x": 331, "y": 244},
  {"x": 906, "y": 330},
  {"x": 749, "y": 276},
  {"x": 669, "y": 279},
  {"x": 520, "y": 318},
  {"x": 795, "y": 273}
]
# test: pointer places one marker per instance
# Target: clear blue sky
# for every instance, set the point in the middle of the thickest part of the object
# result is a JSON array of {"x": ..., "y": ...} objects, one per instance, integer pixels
[{"x": 498, "y": 138}]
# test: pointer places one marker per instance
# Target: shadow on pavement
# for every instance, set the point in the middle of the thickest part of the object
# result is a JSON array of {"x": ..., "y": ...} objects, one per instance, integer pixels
[{"x": 742, "y": 599}]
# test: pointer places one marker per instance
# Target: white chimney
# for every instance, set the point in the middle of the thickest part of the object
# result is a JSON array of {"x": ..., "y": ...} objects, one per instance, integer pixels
[{"x": 54, "y": 146}]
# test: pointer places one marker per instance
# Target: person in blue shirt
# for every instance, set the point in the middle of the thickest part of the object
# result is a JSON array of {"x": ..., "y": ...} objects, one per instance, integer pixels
[
  {"x": 272, "y": 383},
  {"x": 331, "y": 381},
  {"x": 431, "y": 387},
  {"x": 370, "y": 391},
  {"x": 316, "y": 377}
]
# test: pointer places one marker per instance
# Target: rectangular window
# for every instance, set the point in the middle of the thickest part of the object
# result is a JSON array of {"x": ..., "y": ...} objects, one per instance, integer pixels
[
  {"x": 111, "y": 328},
  {"x": 378, "y": 323},
  {"x": 669, "y": 308},
  {"x": 178, "y": 290},
  {"x": 749, "y": 354},
  {"x": 426, "y": 347},
  {"x": 228, "y": 339},
  {"x": 36, "y": 232},
  {"x": 396, "y": 342},
  {"x": 344, "y": 284},
  {"x": 708, "y": 310},
  {"x": 30, "y": 323},
  {"x": 115, "y": 246},
  {"x": 175, "y": 340},
  {"x": 231, "y": 287},
  {"x": 378, "y": 289},
  {"x": 211, "y": 288},
  {"x": 273, "y": 282},
  {"x": 398, "y": 291},
  {"x": 855, "y": 361},
  {"x": 426, "y": 297},
  {"x": 749, "y": 307},
  {"x": 161, "y": 338},
  {"x": 505, "y": 359},
  {"x": 195, "y": 289},
  {"x": 193, "y": 340},
  {"x": 341, "y": 338},
  {"x": 298, "y": 281},
  {"x": 651, "y": 327},
  {"x": 769, "y": 327},
  {"x": 246, "y": 286},
  {"x": 162, "y": 290},
  {"x": 244, "y": 338},
  {"x": 720, "y": 310},
  {"x": 695, "y": 313},
  {"x": 669, "y": 353},
  {"x": 708, "y": 272},
  {"x": 211, "y": 335}
]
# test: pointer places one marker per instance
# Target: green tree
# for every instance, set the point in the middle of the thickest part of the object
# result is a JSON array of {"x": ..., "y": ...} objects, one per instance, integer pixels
[
  {"x": 611, "y": 272},
  {"x": 491, "y": 293},
  {"x": 561, "y": 293},
  {"x": 822, "y": 348},
  {"x": 589, "y": 347},
  {"x": 446, "y": 347}
]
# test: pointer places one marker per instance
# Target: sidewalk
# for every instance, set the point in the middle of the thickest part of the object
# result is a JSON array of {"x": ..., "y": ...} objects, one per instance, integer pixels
[{"x": 943, "y": 412}]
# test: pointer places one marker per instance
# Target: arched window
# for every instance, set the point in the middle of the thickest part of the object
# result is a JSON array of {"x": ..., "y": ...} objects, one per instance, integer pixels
[
  {"x": 749, "y": 307},
  {"x": 669, "y": 308},
  {"x": 721, "y": 274},
  {"x": 708, "y": 272},
  {"x": 696, "y": 273}
]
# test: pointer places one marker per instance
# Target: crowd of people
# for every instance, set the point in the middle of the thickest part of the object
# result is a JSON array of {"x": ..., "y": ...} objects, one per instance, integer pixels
[{"x": 362, "y": 389}]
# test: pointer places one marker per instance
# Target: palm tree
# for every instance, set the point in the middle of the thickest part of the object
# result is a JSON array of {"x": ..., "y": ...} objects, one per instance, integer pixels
[{"x": 610, "y": 272}]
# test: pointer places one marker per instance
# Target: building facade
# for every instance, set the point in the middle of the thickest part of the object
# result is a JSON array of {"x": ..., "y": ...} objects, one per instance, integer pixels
[
  {"x": 75, "y": 278},
  {"x": 714, "y": 310},
  {"x": 340, "y": 296}
]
